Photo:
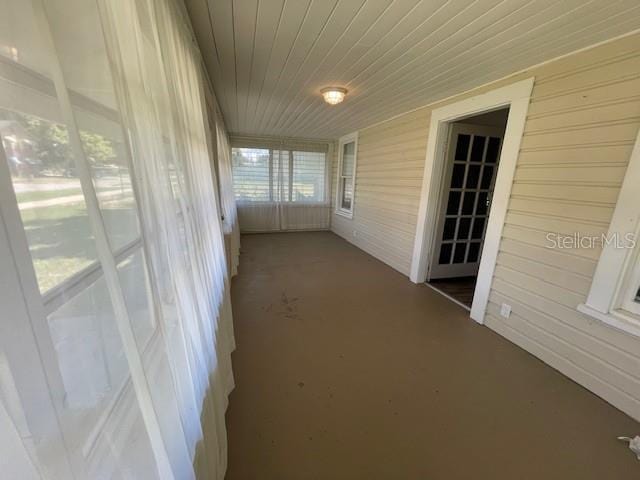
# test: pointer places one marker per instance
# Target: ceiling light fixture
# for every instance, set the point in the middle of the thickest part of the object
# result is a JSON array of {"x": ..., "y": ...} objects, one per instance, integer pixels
[{"x": 333, "y": 95}]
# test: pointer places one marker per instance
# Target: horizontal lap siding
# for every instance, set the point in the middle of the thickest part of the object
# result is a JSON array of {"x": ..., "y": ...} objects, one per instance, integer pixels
[
  {"x": 389, "y": 167},
  {"x": 583, "y": 119}
]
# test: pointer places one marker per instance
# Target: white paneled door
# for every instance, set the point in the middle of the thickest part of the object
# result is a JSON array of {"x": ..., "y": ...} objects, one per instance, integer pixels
[{"x": 472, "y": 162}]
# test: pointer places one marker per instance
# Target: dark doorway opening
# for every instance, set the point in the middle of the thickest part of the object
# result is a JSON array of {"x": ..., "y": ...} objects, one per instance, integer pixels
[{"x": 472, "y": 156}]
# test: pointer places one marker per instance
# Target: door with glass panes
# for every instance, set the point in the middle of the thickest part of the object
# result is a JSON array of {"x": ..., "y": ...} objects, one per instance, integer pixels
[{"x": 471, "y": 165}]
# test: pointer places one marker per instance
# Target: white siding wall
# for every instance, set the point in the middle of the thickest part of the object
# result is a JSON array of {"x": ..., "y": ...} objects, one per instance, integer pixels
[
  {"x": 388, "y": 180},
  {"x": 582, "y": 122}
]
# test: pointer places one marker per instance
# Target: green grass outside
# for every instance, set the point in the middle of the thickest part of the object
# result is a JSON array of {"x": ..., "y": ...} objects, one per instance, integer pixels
[
  {"x": 61, "y": 241},
  {"x": 24, "y": 197}
]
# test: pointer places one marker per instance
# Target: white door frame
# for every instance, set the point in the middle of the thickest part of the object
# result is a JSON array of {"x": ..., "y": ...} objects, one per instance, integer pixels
[{"x": 516, "y": 96}]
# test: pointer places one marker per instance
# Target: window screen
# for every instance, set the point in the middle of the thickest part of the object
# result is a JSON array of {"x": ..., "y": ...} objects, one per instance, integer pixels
[
  {"x": 262, "y": 175},
  {"x": 251, "y": 174},
  {"x": 280, "y": 175},
  {"x": 348, "y": 158},
  {"x": 308, "y": 177}
]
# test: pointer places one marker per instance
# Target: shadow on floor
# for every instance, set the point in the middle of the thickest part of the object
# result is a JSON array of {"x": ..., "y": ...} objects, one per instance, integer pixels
[{"x": 460, "y": 288}]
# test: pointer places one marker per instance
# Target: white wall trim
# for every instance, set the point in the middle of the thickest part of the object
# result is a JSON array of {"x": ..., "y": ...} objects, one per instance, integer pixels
[
  {"x": 615, "y": 319},
  {"x": 515, "y": 96},
  {"x": 614, "y": 267},
  {"x": 328, "y": 180},
  {"x": 352, "y": 137}
]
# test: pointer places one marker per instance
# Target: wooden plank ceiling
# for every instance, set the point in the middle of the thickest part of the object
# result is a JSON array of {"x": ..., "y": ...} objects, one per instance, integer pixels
[{"x": 268, "y": 59}]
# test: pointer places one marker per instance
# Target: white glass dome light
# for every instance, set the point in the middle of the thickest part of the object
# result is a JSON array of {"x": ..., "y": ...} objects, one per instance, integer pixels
[{"x": 333, "y": 95}]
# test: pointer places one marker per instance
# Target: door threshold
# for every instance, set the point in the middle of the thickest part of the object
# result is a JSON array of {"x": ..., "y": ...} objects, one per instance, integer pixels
[{"x": 466, "y": 307}]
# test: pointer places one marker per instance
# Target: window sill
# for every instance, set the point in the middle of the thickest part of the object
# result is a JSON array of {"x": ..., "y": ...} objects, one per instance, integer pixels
[
  {"x": 301, "y": 203},
  {"x": 617, "y": 319},
  {"x": 345, "y": 214}
]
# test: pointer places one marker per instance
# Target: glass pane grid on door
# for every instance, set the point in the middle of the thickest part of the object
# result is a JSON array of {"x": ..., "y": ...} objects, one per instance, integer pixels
[{"x": 467, "y": 206}]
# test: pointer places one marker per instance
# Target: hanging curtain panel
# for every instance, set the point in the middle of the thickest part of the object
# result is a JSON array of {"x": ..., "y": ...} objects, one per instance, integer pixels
[
  {"x": 225, "y": 180},
  {"x": 280, "y": 186},
  {"x": 116, "y": 331}
]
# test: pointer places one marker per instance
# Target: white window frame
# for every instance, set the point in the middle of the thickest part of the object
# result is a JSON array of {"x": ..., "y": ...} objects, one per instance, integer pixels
[
  {"x": 346, "y": 212},
  {"x": 38, "y": 305},
  {"x": 288, "y": 197},
  {"x": 617, "y": 275}
]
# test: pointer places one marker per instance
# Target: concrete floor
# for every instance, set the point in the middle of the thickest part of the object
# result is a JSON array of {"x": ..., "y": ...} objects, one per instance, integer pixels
[{"x": 346, "y": 370}]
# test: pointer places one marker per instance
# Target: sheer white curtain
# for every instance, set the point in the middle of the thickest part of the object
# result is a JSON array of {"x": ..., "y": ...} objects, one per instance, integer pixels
[
  {"x": 230, "y": 222},
  {"x": 116, "y": 334},
  {"x": 281, "y": 187}
]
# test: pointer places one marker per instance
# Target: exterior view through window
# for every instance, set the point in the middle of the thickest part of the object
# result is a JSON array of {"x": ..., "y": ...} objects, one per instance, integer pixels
[
  {"x": 265, "y": 175},
  {"x": 437, "y": 204},
  {"x": 346, "y": 175},
  {"x": 97, "y": 379}
]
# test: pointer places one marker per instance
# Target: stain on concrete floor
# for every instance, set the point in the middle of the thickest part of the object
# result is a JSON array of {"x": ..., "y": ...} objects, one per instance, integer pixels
[{"x": 346, "y": 370}]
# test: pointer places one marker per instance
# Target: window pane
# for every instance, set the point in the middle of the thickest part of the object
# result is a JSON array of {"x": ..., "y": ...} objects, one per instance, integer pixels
[
  {"x": 348, "y": 158},
  {"x": 478, "y": 227},
  {"x": 449, "y": 229},
  {"x": 459, "y": 252},
  {"x": 477, "y": 149},
  {"x": 453, "y": 203},
  {"x": 483, "y": 201},
  {"x": 308, "y": 177},
  {"x": 251, "y": 174},
  {"x": 84, "y": 63},
  {"x": 445, "y": 253},
  {"x": 474, "y": 251},
  {"x": 347, "y": 193},
  {"x": 473, "y": 176},
  {"x": 457, "y": 176},
  {"x": 463, "y": 228},
  {"x": 467, "y": 204},
  {"x": 99, "y": 401},
  {"x": 255, "y": 180},
  {"x": 88, "y": 347},
  {"x": 37, "y": 149},
  {"x": 19, "y": 37},
  {"x": 117, "y": 203},
  {"x": 133, "y": 280},
  {"x": 462, "y": 147},
  {"x": 487, "y": 176},
  {"x": 493, "y": 150},
  {"x": 280, "y": 175}
]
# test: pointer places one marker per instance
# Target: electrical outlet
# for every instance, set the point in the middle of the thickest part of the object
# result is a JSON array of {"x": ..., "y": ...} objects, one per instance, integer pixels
[
  {"x": 505, "y": 310},
  {"x": 355, "y": 233}
]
